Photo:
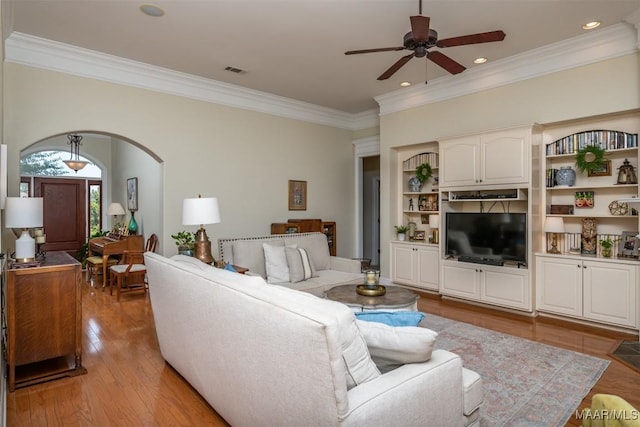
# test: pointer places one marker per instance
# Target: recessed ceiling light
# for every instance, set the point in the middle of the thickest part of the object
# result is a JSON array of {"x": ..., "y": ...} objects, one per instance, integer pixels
[
  {"x": 480, "y": 60},
  {"x": 591, "y": 25},
  {"x": 405, "y": 84},
  {"x": 151, "y": 10}
]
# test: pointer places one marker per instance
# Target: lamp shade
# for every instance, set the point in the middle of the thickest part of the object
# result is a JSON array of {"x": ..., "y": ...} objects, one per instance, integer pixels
[
  {"x": 200, "y": 211},
  {"x": 554, "y": 224},
  {"x": 23, "y": 212},
  {"x": 115, "y": 209},
  {"x": 434, "y": 221}
]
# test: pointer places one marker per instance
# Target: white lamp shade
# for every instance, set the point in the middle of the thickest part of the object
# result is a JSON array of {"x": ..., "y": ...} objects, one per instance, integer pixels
[
  {"x": 115, "y": 209},
  {"x": 554, "y": 224},
  {"x": 434, "y": 221},
  {"x": 23, "y": 212},
  {"x": 200, "y": 211}
]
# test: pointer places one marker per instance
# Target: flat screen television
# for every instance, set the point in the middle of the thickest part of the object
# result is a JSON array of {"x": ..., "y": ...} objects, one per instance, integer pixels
[{"x": 487, "y": 236}]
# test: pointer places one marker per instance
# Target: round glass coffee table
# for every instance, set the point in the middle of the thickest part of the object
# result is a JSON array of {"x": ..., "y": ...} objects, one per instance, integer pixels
[{"x": 395, "y": 299}]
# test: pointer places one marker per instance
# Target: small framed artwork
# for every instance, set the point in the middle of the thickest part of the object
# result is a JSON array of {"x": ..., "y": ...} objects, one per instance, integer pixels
[
  {"x": 297, "y": 195},
  {"x": 584, "y": 199},
  {"x": 424, "y": 219},
  {"x": 132, "y": 194},
  {"x": 603, "y": 170},
  {"x": 418, "y": 235},
  {"x": 628, "y": 244}
]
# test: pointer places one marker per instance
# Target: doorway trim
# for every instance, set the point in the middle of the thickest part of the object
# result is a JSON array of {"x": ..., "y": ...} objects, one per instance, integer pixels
[{"x": 364, "y": 147}]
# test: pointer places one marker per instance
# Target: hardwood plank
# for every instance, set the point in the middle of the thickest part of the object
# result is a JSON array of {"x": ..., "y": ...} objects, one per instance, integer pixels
[{"x": 128, "y": 382}]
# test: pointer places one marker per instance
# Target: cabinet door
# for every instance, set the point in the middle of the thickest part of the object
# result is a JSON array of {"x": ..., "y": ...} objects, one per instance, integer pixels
[
  {"x": 559, "y": 285},
  {"x": 459, "y": 162},
  {"x": 403, "y": 264},
  {"x": 460, "y": 281},
  {"x": 507, "y": 287},
  {"x": 428, "y": 267},
  {"x": 504, "y": 158},
  {"x": 610, "y": 292}
]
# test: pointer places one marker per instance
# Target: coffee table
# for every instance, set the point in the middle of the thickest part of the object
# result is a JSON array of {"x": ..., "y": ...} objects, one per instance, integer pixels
[{"x": 395, "y": 299}]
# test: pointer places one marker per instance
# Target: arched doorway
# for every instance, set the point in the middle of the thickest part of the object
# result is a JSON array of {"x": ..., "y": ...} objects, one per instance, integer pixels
[{"x": 78, "y": 201}]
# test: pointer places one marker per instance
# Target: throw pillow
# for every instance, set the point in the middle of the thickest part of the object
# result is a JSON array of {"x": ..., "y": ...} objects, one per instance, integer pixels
[
  {"x": 392, "y": 347},
  {"x": 392, "y": 318},
  {"x": 300, "y": 265},
  {"x": 275, "y": 262}
]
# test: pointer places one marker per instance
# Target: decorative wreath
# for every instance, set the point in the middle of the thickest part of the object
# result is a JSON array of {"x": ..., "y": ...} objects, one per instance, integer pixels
[
  {"x": 590, "y": 158},
  {"x": 424, "y": 172}
]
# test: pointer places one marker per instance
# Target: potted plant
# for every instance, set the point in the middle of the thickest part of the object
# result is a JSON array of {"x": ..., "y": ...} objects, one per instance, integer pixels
[
  {"x": 607, "y": 247},
  {"x": 185, "y": 241},
  {"x": 401, "y": 231}
]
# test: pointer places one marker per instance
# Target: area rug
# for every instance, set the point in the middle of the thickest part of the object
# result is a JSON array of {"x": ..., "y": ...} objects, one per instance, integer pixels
[{"x": 525, "y": 383}]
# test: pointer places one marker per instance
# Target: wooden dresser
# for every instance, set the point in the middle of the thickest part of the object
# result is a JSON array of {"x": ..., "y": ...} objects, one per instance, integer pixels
[{"x": 43, "y": 314}]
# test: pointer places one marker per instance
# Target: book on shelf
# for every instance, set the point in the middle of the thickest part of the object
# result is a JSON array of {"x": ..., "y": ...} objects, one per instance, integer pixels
[
  {"x": 605, "y": 139},
  {"x": 415, "y": 161}
]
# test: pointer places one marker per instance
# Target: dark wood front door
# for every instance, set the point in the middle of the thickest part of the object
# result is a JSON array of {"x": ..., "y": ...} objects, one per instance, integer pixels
[{"x": 64, "y": 212}]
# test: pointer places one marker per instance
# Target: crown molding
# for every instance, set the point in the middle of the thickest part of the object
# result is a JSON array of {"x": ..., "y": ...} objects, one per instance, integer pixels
[
  {"x": 607, "y": 43},
  {"x": 366, "y": 147},
  {"x": 46, "y": 54}
]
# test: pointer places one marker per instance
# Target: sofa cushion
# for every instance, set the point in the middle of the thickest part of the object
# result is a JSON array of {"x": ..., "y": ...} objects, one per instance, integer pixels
[
  {"x": 395, "y": 318},
  {"x": 250, "y": 254},
  {"x": 472, "y": 386},
  {"x": 391, "y": 347},
  {"x": 275, "y": 263},
  {"x": 316, "y": 246},
  {"x": 300, "y": 265}
]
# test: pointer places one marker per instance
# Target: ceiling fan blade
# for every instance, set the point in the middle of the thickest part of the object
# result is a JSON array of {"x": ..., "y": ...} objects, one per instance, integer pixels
[
  {"x": 395, "y": 67},
  {"x": 420, "y": 28},
  {"x": 445, "y": 62},
  {"x": 491, "y": 36},
  {"x": 380, "y": 49}
]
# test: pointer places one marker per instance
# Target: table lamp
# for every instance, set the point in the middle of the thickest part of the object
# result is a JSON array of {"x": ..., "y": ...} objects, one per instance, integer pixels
[
  {"x": 434, "y": 224},
  {"x": 115, "y": 209},
  {"x": 554, "y": 225},
  {"x": 24, "y": 213},
  {"x": 201, "y": 211}
]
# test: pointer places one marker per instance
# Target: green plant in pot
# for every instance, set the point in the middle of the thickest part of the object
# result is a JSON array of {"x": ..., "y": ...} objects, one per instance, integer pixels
[
  {"x": 185, "y": 241},
  {"x": 607, "y": 247},
  {"x": 401, "y": 231}
]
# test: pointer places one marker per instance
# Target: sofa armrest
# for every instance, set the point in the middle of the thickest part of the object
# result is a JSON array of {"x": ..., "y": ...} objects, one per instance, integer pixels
[
  {"x": 344, "y": 264},
  {"x": 431, "y": 392}
]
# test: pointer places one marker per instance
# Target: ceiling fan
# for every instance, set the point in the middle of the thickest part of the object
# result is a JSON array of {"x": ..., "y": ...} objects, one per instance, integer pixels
[{"x": 421, "y": 38}]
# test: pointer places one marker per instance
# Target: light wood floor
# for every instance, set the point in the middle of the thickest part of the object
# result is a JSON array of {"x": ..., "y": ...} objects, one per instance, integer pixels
[{"x": 128, "y": 383}]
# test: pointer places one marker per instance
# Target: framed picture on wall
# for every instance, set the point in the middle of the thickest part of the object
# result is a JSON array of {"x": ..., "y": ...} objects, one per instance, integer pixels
[
  {"x": 297, "y": 195},
  {"x": 132, "y": 194}
]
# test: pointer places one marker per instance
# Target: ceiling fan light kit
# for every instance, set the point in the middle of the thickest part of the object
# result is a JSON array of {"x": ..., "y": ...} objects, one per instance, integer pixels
[{"x": 421, "y": 38}]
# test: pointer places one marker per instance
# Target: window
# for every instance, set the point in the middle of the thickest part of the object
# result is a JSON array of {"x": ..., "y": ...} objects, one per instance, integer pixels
[{"x": 49, "y": 163}]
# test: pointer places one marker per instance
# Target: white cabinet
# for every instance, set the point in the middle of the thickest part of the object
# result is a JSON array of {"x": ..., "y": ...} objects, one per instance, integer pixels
[
  {"x": 603, "y": 291},
  {"x": 415, "y": 264},
  {"x": 503, "y": 286},
  {"x": 487, "y": 159}
]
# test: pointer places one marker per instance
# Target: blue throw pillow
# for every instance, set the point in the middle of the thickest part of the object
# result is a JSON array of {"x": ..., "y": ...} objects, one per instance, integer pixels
[{"x": 392, "y": 318}]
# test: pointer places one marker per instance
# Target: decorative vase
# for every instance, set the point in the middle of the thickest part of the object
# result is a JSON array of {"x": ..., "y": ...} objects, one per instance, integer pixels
[
  {"x": 183, "y": 250},
  {"x": 606, "y": 252},
  {"x": 401, "y": 236},
  {"x": 133, "y": 225},
  {"x": 566, "y": 176},
  {"x": 414, "y": 184}
]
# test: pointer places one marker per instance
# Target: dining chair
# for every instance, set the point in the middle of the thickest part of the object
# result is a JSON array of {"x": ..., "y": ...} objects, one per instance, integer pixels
[{"x": 131, "y": 273}]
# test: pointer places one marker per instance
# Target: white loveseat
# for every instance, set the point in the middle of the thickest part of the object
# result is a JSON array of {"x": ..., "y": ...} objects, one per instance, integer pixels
[
  {"x": 248, "y": 252},
  {"x": 266, "y": 355}
]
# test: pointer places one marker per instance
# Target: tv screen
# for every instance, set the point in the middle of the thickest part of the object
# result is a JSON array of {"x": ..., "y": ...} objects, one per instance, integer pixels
[{"x": 490, "y": 236}]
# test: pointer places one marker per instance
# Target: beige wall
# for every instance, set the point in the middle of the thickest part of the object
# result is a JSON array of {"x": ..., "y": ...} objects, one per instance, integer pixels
[
  {"x": 599, "y": 88},
  {"x": 244, "y": 158}
]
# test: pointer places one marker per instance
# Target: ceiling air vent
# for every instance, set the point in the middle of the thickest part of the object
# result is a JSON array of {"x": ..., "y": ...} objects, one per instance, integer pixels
[{"x": 235, "y": 70}]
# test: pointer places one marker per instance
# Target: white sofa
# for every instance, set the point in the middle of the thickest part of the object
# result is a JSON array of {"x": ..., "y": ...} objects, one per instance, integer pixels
[
  {"x": 267, "y": 355},
  {"x": 331, "y": 271}
]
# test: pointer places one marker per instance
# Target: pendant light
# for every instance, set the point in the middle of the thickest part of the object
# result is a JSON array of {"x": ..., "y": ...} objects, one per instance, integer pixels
[{"x": 74, "y": 161}]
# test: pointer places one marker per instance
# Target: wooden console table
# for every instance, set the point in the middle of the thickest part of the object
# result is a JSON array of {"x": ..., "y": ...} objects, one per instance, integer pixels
[{"x": 43, "y": 311}]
